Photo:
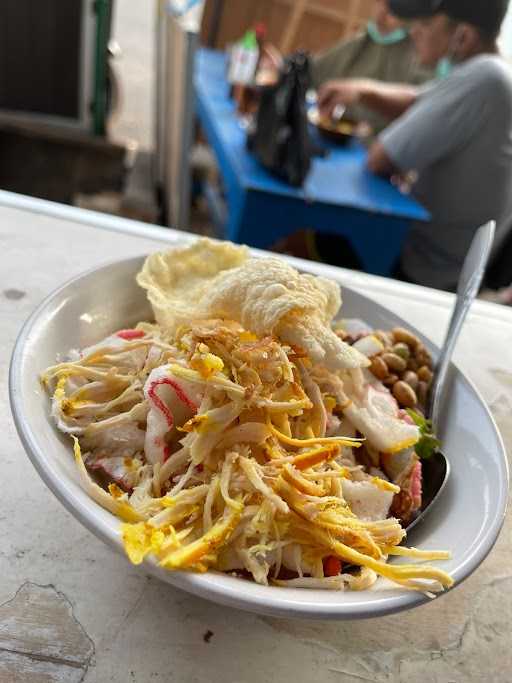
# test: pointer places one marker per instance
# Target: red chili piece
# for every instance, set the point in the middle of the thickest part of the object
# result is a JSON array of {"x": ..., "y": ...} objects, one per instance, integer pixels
[{"x": 332, "y": 566}]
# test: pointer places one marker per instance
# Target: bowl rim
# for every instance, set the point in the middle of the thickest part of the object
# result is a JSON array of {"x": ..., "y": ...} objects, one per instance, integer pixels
[{"x": 204, "y": 585}]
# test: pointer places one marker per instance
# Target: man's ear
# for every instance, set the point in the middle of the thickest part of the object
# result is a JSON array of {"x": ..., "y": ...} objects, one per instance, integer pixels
[{"x": 466, "y": 40}]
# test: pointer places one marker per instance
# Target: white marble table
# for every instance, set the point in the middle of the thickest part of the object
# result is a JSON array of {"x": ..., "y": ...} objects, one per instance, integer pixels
[{"x": 72, "y": 610}]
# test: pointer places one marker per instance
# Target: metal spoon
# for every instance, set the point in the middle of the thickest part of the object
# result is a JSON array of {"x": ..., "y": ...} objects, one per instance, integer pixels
[{"x": 436, "y": 470}]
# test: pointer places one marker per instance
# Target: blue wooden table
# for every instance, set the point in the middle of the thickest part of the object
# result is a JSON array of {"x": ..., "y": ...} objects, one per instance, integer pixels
[{"x": 339, "y": 196}]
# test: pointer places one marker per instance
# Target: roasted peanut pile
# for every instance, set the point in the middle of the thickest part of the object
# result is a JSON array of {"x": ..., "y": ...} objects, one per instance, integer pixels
[{"x": 404, "y": 365}]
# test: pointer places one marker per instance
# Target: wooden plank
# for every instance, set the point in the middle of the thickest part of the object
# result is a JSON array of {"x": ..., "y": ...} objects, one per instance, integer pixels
[
  {"x": 288, "y": 21},
  {"x": 355, "y": 16},
  {"x": 318, "y": 33},
  {"x": 293, "y": 25}
]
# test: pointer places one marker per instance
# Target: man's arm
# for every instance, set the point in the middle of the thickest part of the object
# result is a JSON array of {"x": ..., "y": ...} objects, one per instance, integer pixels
[{"x": 388, "y": 100}]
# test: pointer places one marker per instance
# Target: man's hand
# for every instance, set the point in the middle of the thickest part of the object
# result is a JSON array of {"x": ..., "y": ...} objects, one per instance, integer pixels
[
  {"x": 342, "y": 92},
  {"x": 379, "y": 161},
  {"x": 387, "y": 99}
]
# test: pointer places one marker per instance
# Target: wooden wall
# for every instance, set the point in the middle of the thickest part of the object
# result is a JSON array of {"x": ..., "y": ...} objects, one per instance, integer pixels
[{"x": 309, "y": 24}]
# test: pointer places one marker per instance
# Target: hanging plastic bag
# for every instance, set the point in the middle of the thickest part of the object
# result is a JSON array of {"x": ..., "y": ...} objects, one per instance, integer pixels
[{"x": 279, "y": 137}]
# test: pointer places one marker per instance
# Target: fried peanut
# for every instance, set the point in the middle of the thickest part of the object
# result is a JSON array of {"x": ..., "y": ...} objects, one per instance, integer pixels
[
  {"x": 423, "y": 357},
  {"x": 411, "y": 378},
  {"x": 425, "y": 375},
  {"x": 384, "y": 337},
  {"x": 394, "y": 362},
  {"x": 401, "y": 350},
  {"x": 379, "y": 368},
  {"x": 412, "y": 364},
  {"x": 405, "y": 395},
  {"x": 422, "y": 393},
  {"x": 405, "y": 337}
]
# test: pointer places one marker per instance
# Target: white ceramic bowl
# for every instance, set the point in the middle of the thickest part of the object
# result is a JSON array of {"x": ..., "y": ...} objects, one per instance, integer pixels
[{"x": 466, "y": 521}]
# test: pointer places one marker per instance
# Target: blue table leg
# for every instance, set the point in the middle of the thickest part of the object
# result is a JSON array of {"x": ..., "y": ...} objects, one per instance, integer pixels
[
  {"x": 242, "y": 223},
  {"x": 378, "y": 240}
]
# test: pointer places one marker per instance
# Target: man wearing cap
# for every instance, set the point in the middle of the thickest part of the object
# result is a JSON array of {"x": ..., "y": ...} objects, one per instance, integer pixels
[{"x": 453, "y": 136}]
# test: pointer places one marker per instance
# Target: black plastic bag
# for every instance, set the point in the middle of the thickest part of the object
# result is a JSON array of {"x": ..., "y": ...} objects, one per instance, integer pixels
[{"x": 280, "y": 137}]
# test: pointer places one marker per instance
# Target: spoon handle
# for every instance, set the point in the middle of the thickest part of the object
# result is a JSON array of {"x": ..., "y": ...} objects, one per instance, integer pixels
[{"x": 470, "y": 281}]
